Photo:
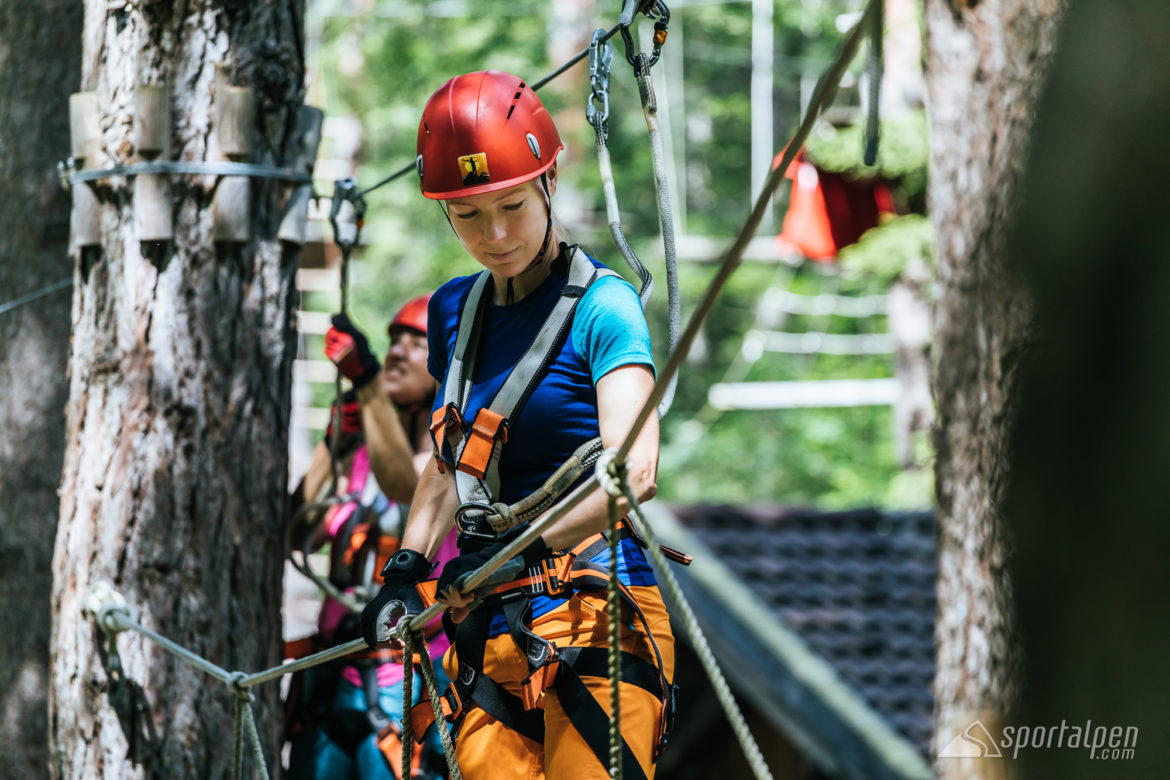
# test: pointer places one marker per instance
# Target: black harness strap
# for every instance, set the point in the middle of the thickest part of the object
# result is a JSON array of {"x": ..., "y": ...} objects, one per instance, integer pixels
[
  {"x": 590, "y": 720},
  {"x": 537, "y": 650},
  {"x": 472, "y": 685}
]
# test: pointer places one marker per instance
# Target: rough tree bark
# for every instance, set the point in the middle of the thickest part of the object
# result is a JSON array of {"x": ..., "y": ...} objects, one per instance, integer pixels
[
  {"x": 175, "y": 463},
  {"x": 985, "y": 63},
  {"x": 34, "y": 344}
]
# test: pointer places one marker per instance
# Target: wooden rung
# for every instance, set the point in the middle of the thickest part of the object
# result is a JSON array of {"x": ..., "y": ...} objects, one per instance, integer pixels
[
  {"x": 231, "y": 209},
  {"x": 233, "y": 121},
  {"x": 296, "y": 214},
  {"x": 152, "y": 121},
  {"x": 85, "y": 220},
  {"x": 85, "y": 135},
  {"x": 152, "y": 207},
  {"x": 309, "y": 124}
]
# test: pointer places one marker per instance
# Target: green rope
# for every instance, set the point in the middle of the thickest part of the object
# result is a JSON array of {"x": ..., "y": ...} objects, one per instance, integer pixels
[
  {"x": 441, "y": 724},
  {"x": 408, "y": 643},
  {"x": 245, "y": 723},
  {"x": 238, "y": 741},
  {"x": 615, "y": 648},
  {"x": 254, "y": 741}
]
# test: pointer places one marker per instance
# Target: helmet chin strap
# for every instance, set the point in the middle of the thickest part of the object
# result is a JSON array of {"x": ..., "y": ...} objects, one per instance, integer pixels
[{"x": 510, "y": 296}]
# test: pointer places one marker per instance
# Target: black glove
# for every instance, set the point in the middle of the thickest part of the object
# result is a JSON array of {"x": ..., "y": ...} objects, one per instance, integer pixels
[
  {"x": 457, "y": 570},
  {"x": 397, "y": 598},
  {"x": 349, "y": 350}
]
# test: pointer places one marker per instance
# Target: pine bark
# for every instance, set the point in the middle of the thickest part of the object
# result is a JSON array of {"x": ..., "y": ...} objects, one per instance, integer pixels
[
  {"x": 175, "y": 474},
  {"x": 34, "y": 344},
  {"x": 985, "y": 62}
]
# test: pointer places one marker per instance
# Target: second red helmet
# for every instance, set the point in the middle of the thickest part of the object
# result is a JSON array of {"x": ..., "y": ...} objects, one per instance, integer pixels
[
  {"x": 481, "y": 132},
  {"x": 413, "y": 314}
]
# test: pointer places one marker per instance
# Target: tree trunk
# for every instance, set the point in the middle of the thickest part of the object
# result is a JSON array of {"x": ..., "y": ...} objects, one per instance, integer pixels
[
  {"x": 34, "y": 344},
  {"x": 176, "y": 426},
  {"x": 1091, "y": 449},
  {"x": 985, "y": 61}
]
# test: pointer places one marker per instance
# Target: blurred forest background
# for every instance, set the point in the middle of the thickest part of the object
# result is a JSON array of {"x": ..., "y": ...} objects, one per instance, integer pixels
[{"x": 374, "y": 64}]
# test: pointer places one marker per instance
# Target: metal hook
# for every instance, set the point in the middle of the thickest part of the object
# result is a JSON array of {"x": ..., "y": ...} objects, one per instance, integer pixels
[{"x": 600, "y": 62}]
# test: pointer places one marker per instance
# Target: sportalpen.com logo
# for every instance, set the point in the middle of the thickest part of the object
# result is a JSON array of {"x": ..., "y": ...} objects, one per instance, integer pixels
[{"x": 1103, "y": 743}]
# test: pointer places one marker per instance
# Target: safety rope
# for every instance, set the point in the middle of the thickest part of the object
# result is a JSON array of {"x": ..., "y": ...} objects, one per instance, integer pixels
[
  {"x": 16, "y": 303},
  {"x": 597, "y": 113},
  {"x": 344, "y": 190},
  {"x": 875, "y": 67},
  {"x": 699, "y": 641},
  {"x": 617, "y": 476},
  {"x": 112, "y": 614},
  {"x": 428, "y": 673},
  {"x": 244, "y": 715},
  {"x": 408, "y": 644}
]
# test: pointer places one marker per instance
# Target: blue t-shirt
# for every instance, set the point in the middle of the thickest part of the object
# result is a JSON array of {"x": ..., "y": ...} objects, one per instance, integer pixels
[{"x": 608, "y": 331}]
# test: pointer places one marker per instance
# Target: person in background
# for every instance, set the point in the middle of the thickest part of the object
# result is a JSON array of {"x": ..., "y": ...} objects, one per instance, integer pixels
[{"x": 344, "y": 721}]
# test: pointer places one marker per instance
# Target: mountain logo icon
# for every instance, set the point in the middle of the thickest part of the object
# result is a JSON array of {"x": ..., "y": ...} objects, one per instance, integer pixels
[{"x": 973, "y": 742}]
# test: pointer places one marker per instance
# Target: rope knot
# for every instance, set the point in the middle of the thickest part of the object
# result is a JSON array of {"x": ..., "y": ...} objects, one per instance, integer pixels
[
  {"x": 612, "y": 472},
  {"x": 241, "y": 693},
  {"x": 503, "y": 519}
]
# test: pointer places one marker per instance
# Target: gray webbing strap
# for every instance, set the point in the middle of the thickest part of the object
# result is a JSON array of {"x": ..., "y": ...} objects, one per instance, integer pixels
[{"x": 463, "y": 361}]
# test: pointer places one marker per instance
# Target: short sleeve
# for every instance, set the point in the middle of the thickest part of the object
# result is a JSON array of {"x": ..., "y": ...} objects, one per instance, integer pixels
[{"x": 609, "y": 329}]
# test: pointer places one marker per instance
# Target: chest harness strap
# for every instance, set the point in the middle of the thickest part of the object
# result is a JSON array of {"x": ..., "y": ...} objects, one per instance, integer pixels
[{"x": 475, "y": 446}]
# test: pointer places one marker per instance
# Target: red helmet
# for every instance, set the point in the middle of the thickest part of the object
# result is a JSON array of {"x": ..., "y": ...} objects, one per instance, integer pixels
[
  {"x": 413, "y": 314},
  {"x": 481, "y": 132}
]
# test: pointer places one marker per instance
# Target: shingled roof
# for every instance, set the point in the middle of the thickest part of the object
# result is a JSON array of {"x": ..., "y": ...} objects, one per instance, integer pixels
[
  {"x": 858, "y": 587},
  {"x": 837, "y": 607}
]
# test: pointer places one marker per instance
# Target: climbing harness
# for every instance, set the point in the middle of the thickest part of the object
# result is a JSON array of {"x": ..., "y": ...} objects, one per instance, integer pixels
[
  {"x": 476, "y": 453},
  {"x": 112, "y": 614}
]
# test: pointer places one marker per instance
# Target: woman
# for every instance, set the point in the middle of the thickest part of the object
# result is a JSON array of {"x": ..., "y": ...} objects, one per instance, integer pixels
[
  {"x": 345, "y": 725},
  {"x": 554, "y": 352}
]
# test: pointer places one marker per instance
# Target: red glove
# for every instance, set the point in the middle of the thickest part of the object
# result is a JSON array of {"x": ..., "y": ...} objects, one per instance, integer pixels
[
  {"x": 347, "y": 347},
  {"x": 351, "y": 416}
]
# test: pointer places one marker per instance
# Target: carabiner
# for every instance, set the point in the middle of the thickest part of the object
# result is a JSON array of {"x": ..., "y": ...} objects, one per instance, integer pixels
[
  {"x": 600, "y": 62},
  {"x": 343, "y": 190},
  {"x": 661, "y": 15}
]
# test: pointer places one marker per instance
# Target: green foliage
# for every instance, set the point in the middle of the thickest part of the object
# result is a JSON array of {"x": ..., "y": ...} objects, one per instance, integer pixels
[
  {"x": 903, "y": 152},
  {"x": 884, "y": 252}
]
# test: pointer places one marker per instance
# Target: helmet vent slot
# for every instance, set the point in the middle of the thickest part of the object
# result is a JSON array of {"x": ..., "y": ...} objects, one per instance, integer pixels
[{"x": 515, "y": 100}]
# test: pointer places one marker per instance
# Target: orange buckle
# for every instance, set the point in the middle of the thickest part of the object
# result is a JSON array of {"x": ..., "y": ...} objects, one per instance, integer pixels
[
  {"x": 558, "y": 571},
  {"x": 451, "y": 711},
  {"x": 443, "y": 418},
  {"x": 538, "y": 682},
  {"x": 477, "y": 453}
]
